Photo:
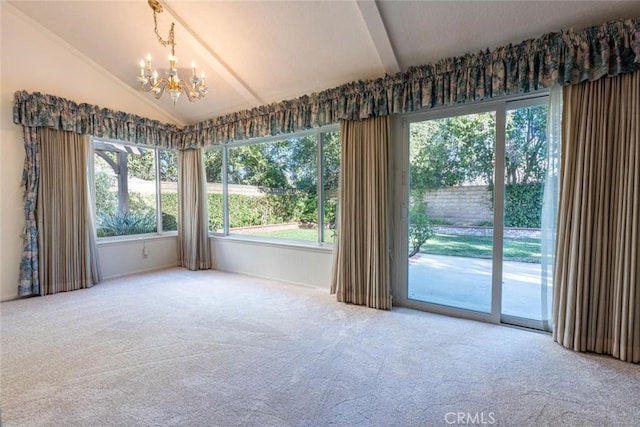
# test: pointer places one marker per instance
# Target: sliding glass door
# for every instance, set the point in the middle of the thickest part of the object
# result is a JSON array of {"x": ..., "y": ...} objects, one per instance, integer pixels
[
  {"x": 475, "y": 195},
  {"x": 451, "y": 163},
  {"x": 530, "y": 203}
]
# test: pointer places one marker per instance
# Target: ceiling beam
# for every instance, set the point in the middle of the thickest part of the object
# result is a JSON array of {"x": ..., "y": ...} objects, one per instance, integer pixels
[
  {"x": 215, "y": 62},
  {"x": 378, "y": 32}
]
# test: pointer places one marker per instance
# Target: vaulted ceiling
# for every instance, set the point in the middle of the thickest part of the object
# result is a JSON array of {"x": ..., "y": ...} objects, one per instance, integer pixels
[{"x": 259, "y": 52}]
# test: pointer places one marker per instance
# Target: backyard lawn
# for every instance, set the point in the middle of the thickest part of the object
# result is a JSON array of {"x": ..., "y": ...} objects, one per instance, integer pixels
[
  {"x": 292, "y": 233},
  {"x": 522, "y": 249}
]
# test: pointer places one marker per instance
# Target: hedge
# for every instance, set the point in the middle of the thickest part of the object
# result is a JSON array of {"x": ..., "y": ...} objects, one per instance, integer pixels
[
  {"x": 244, "y": 211},
  {"x": 523, "y": 205}
]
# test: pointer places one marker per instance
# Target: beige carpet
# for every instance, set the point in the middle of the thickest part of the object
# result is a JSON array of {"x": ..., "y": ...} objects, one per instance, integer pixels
[{"x": 210, "y": 348}]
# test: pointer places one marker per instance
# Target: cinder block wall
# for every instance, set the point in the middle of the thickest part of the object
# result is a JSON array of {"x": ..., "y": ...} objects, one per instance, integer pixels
[{"x": 464, "y": 205}]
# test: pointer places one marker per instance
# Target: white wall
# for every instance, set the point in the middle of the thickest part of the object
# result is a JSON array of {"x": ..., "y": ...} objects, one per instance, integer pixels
[
  {"x": 308, "y": 266},
  {"x": 35, "y": 60},
  {"x": 127, "y": 257}
]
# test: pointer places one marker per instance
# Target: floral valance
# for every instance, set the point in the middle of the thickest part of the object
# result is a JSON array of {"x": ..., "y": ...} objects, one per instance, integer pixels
[
  {"x": 565, "y": 57},
  {"x": 41, "y": 110}
]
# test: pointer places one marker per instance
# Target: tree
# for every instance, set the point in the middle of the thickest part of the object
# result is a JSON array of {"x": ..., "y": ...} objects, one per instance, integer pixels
[
  {"x": 141, "y": 165},
  {"x": 213, "y": 165},
  {"x": 168, "y": 160},
  {"x": 526, "y": 145},
  {"x": 257, "y": 164},
  {"x": 331, "y": 154},
  {"x": 452, "y": 151},
  {"x": 457, "y": 150}
]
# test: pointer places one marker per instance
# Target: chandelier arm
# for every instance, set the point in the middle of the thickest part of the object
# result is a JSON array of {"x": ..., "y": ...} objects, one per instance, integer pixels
[
  {"x": 185, "y": 87},
  {"x": 148, "y": 87},
  {"x": 159, "y": 94}
]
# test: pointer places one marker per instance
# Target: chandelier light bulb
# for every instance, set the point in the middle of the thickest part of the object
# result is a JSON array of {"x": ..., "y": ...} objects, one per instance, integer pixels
[{"x": 141, "y": 70}]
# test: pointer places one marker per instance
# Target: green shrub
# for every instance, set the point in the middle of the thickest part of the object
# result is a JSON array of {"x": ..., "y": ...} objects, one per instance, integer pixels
[
  {"x": 307, "y": 209},
  {"x": 214, "y": 206},
  {"x": 106, "y": 196},
  {"x": 330, "y": 212},
  {"x": 169, "y": 222},
  {"x": 523, "y": 205},
  {"x": 122, "y": 224},
  {"x": 419, "y": 225},
  {"x": 169, "y": 203},
  {"x": 142, "y": 204},
  {"x": 246, "y": 210}
]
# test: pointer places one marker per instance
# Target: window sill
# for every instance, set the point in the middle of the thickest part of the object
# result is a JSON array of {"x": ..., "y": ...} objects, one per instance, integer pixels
[
  {"x": 270, "y": 242},
  {"x": 123, "y": 240}
]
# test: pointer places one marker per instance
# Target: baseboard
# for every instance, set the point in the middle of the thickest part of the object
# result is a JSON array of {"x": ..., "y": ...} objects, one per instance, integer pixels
[
  {"x": 12, "y": 298},
  {"x": 146, "y": 270},
  {"x": 275, "y": 279}
]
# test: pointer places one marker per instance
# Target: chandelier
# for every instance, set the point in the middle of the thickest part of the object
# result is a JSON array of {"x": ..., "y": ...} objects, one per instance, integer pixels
[{"x": 194, "y": 88}]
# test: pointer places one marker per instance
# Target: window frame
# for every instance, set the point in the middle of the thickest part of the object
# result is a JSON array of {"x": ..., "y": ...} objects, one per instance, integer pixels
[
  {"x": 399, "y": 267},
  {"x": 159, "y": 233},
  {"x": 276, "y": 241}
]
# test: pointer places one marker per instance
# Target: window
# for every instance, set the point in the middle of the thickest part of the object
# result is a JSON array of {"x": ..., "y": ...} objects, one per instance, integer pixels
[
  {"x": 330, "y": 181},
  {"x": 274, "y": 188},
  {"x": 127, "y": 188},
  {"x": 168, "y": 162},
  {"x": 278, "y": 188},
  {"x": 213, "y": 171}
]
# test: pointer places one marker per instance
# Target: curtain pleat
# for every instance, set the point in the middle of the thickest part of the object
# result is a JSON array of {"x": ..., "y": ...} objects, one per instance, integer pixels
[
  {"x": 193, "y": 225},
  {"x": 66, "y": 235},
  {"x": 361, "y": 264},
  {"x": 597, "y": 274}
]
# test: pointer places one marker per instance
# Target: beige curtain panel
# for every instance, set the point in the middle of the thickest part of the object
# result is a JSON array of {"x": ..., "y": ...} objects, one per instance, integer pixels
[
  {"x": 66, "y": 233},
  {"x": 361, "y": 264},
  {"x": 193, "y": 224},
  {"x": 597, "y": 274}
]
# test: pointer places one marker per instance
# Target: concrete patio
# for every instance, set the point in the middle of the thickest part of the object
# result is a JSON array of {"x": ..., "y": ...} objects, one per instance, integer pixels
[{"x": 466, "y": 283}]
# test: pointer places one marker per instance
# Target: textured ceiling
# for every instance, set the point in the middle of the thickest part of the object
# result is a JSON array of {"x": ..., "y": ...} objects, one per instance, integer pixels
[{"x": 259, "y": 52}]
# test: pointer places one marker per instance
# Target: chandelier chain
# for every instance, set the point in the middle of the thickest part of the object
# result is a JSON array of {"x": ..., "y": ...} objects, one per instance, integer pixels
[{"x": 170, "y": 40}]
